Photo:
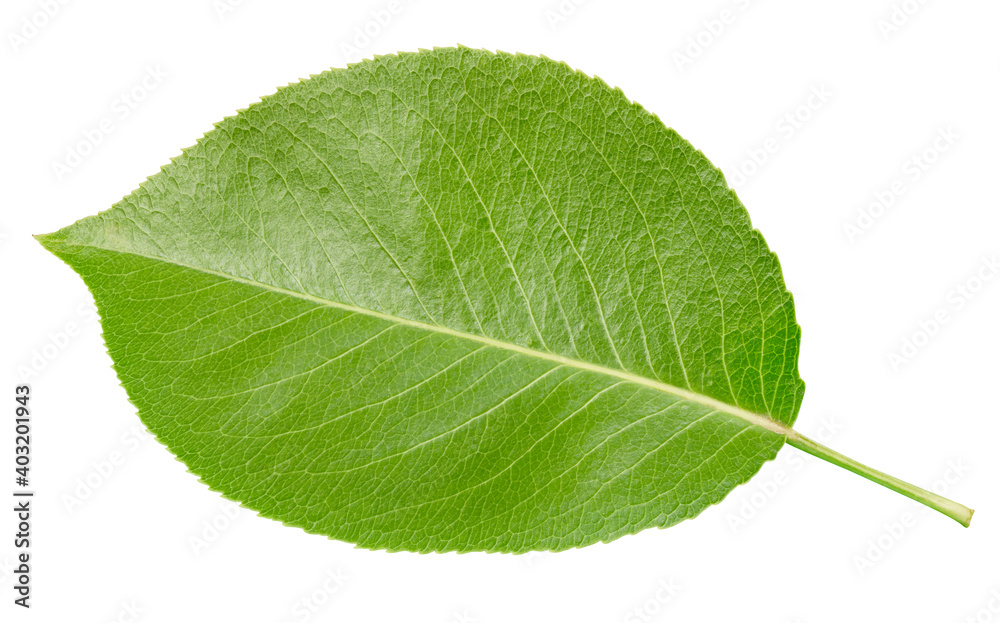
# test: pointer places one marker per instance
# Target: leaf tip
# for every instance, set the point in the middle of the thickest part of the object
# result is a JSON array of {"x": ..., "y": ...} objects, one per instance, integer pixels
[{"x": 49, "y": 240}]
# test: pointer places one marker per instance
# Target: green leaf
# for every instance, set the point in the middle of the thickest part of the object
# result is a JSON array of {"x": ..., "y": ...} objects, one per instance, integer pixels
[{"x": 451, "y": 300}]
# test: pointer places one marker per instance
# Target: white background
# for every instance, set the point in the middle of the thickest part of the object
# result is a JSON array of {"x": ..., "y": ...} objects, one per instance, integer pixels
[{"x": 814, "y": 543}]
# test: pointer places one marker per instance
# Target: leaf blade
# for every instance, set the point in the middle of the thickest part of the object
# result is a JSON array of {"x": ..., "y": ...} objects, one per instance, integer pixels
[{"x": 458, "y": 227}]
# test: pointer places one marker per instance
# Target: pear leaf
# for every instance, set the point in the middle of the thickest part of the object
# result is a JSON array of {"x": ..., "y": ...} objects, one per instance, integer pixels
[{"x": 451, "y": 300}]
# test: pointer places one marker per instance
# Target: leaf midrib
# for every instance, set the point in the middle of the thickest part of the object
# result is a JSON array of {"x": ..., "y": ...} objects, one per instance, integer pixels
[{"x": 755, "y": 419}]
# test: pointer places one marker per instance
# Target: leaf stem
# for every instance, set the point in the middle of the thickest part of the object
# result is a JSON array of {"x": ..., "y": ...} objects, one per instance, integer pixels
[{"x": 956, "y": 511}]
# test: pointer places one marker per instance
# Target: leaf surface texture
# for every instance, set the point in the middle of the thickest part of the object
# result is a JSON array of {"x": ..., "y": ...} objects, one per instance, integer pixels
[{"x": 448, "y": 301}]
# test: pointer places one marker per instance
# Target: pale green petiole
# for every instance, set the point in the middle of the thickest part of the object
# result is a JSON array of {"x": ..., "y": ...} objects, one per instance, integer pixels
[{"x": 956, "y": 511}]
